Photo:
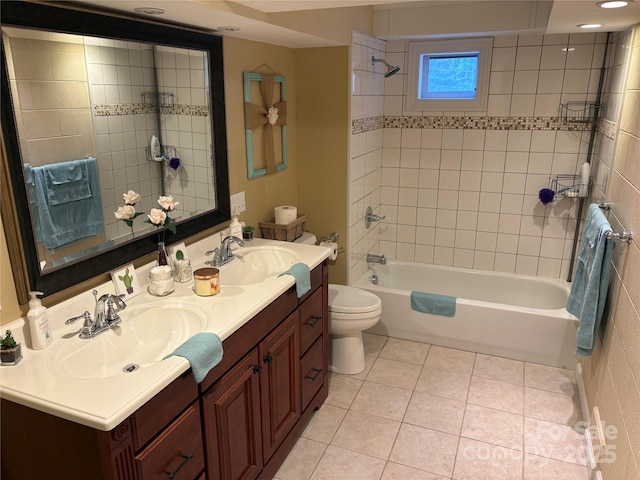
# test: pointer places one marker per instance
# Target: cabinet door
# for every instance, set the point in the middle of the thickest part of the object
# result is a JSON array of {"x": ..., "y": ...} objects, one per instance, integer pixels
[
  {"x": 279, "y": 383},
  {"x": 231, "y": 410}
]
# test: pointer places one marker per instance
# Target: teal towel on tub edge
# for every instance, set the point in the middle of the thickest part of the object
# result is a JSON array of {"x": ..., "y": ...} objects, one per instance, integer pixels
[{"x": 433, "y": 303}]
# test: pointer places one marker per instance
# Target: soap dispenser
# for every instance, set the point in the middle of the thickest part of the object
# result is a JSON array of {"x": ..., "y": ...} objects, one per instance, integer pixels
[
  {"x": 235, "y": 227},
  {"x": 38, "y": 323}
]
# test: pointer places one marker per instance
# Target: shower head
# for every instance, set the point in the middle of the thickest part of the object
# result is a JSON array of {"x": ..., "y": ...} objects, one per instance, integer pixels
[{"x": 391, "y": 70}]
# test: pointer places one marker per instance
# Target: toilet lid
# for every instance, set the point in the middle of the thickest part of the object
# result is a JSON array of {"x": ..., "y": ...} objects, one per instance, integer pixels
[{"x": 344, "y": 299}]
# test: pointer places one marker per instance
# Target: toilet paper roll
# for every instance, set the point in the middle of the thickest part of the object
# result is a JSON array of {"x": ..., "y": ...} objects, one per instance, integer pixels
[
  {"x": 285, "y": 214},
  {"x": 334, "y": 249}
]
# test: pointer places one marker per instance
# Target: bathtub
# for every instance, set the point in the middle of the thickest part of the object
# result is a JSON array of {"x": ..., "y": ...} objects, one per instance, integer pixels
[{"x": 507, "y": 315}]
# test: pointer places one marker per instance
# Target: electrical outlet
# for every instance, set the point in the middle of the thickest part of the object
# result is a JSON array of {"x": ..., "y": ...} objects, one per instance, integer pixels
[{"x": 237, "y": 203}]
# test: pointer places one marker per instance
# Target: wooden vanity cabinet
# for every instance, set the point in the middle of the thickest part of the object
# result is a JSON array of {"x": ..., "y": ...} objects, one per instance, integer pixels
[{"x": 240, "y": 422}]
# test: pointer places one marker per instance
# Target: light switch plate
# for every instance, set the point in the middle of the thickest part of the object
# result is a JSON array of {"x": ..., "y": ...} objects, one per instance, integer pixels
[{"x": 237, "y": 203}]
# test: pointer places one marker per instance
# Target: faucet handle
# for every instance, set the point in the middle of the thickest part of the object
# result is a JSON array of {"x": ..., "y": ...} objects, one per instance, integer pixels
[{"x": 86, "y": 316}]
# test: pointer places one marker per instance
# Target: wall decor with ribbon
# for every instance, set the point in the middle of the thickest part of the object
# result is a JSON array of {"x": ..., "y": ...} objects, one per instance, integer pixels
[{"x": 265, "y": 119}]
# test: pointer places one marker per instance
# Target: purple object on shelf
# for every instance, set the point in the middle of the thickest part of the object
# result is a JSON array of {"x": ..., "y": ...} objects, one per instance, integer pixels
[
  {"x": 174, "y": 163},
  {"x": 546, "y": 195}
]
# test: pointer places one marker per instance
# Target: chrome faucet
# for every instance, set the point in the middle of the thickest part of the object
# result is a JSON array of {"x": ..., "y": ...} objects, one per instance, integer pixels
[
  {"x": 381, "y": 259},
  {"x": 224, "y": 254},
  {"x": 104, "y": 317}
]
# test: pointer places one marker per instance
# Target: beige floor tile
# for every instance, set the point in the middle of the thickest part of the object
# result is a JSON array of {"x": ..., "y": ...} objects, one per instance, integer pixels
[
  {"x": 493, "y": 426},
  {"x": 382, "y": 401},
  {"x": 373, "y": 344},
  {"x": 405, "y": 351},
  {"x": 342, "y": 390},
  {"x": 366, "y": 434},
  {"x": 443, "y": 383},
  {"x": 436, "y": 413},
  {"x": 340, "y": 464},
  {"x": 395, "y": 471},
  {"x": 425, "y": 449},
  {"x": 553, "y": 440},
  {"x": 541, "y": 468},
  {"x": 551, "y": 406},
  {"x": 324, "y": 423},
  {"x": 481, "y": 461},
  {"x": 302, "y": 460},
  {"x": 394, "y": 373},
  {"x": 499, "y": 369},
  {"x": 450, "y": 359},
  {"x": 498, "y": 395},
  {"x": 549, "y": 378}
]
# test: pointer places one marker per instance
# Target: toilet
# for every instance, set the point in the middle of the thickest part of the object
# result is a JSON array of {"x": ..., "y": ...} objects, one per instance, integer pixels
[{"x": 351, "y": 310}]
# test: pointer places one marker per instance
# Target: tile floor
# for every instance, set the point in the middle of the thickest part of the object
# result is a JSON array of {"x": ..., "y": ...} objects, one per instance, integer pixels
[{"x": 424, "y": 412}]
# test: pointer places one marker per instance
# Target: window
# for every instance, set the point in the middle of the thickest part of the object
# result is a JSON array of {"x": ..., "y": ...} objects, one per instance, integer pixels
[{"x": 449, "y": 75}]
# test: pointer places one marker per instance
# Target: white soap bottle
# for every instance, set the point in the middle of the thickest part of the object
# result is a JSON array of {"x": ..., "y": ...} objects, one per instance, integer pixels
[
  {"x": 38, "y": 323},
  {"x": 235, "y": 227}
]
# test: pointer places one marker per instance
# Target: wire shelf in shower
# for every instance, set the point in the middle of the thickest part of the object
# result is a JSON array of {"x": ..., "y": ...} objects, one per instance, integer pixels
[
  {"x": 577, "y": 112},
  {"x": 569, "y": 186},
  {"x": 168, "y": 152}
]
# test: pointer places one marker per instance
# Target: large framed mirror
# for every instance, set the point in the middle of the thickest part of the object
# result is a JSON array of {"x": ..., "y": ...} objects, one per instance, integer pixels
[{"x": 99, "y": 106}]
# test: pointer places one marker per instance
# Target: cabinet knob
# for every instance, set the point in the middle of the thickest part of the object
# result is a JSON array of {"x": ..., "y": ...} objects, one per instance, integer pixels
[
  {"x": 314, "y": 320},
  {"x": 257, "y": 369},
  {"x": 268, "y": 359}
]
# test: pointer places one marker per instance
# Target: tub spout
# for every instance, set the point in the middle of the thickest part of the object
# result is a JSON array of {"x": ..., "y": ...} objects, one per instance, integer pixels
[{"x": 381, "y": 259}]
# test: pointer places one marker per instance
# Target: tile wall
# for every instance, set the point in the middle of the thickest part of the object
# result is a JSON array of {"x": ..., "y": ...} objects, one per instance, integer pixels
[
  {"x": 460, "y": 188},
  {"x": 612, "y": 373},
  {"x": 123, "y": 89}
]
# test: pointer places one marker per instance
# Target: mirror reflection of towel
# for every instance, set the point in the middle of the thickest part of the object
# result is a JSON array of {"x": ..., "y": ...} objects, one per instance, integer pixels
[
  {"x": 65, "y": 219},
  {"x": 67, "y": 182}
]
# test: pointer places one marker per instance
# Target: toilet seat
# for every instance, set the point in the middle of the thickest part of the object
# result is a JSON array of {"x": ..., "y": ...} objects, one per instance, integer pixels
[{"x": 350, "y": 302}]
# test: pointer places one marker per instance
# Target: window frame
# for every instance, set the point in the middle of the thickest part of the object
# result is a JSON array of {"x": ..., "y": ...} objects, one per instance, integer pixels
[{"x": 482, "y": 46}]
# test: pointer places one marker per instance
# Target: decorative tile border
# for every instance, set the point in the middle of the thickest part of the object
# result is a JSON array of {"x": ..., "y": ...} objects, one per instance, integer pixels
[
  {"x": 144, "y": 108},
  {"x": 473, "y": 123},
  {"x": 608, "y": 128}
]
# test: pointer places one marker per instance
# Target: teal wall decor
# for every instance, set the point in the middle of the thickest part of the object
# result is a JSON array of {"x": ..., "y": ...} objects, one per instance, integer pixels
[{"x": 265, "y": 115}]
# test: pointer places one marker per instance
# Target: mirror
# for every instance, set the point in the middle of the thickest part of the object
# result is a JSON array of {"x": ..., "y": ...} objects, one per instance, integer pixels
[{"x": 100, "y": 106}]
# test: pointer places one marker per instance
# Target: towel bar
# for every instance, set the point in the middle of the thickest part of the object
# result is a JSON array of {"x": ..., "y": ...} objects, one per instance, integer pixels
[{"x": 624, "y": 236}]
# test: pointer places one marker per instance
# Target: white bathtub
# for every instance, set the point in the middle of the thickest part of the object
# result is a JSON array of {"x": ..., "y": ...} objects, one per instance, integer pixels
[{"x": 512, "y": 316}]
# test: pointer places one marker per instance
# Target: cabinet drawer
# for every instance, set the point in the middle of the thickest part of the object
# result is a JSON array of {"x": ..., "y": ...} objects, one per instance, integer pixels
[
  {"x": 310, "y": 320},
  {"x": 178, "y": 449},
  {"x": 311, "y": 372}
]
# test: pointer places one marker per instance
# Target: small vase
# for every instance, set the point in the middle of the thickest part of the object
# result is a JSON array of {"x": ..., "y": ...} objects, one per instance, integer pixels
[
  {"x": 247, "y": 235},
  {"x": 162, "y": 255}
]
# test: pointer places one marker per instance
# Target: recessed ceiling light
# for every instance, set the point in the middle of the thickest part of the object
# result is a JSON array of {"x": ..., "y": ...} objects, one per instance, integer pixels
[
  {"x": 228, "y": 28},
  {"x": 590, "y": 25},
  {"x": 613, "y": 4},
  {"x": 149, "y": 10}
]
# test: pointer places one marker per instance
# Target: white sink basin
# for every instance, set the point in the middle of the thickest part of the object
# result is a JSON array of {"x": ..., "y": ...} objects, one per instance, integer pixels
[
  {"x": 146, "y": 334},
  {"x": 257, "y": 264}
]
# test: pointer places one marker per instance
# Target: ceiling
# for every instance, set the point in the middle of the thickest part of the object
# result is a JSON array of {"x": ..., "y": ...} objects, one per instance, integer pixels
[{"x": 312, "y": 23}]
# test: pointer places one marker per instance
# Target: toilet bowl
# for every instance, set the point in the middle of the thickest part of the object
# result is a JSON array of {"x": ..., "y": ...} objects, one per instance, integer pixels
[{"x": 351, "y": 310}]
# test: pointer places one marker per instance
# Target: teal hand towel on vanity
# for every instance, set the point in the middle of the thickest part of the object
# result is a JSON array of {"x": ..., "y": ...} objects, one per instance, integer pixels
[
  {"x": 302, "y": 274},
  {"x": 203, "y": 350},
  {"x": 433, "y": 303},
  {"x": 591, "y": 280}
]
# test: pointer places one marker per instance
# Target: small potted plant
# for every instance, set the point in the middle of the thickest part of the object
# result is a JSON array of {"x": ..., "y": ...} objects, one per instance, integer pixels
[
  {"x": 247, "y": 232},
  {"x": 10, "y": 350}
]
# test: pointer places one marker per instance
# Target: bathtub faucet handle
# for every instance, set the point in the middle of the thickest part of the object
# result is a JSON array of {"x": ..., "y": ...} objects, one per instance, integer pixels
[{"x": 371, "y": 217}]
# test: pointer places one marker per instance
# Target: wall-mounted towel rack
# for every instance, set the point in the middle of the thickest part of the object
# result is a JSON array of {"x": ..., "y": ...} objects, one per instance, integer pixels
[{"x": 624, "y": 236}]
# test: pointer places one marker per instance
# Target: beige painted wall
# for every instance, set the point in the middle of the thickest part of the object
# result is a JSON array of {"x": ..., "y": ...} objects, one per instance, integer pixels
[{"x": 323, "y": 130}]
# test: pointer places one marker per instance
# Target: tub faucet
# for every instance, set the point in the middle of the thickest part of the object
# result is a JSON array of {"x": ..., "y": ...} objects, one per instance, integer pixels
[{"x": 381, "y": 259}]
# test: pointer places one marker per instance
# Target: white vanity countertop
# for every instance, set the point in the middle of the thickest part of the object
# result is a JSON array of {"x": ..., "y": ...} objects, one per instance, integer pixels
[{"x": 103, "y": 403}]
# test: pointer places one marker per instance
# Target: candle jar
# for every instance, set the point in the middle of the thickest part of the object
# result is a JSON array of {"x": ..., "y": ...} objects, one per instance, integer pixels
[
  {"x": 161, "y": 281},
  {"x": 206, "y": 281}
]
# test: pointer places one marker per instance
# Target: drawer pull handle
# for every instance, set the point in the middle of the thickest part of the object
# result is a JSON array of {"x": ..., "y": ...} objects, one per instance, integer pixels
[
  {"x": 268, "y": 359},
  {"x": 257, "y": 369},
  {"x": 314, "y": 322},
  {"x": 185, "y": 458},
  {"x": 315, "y": 376}
]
